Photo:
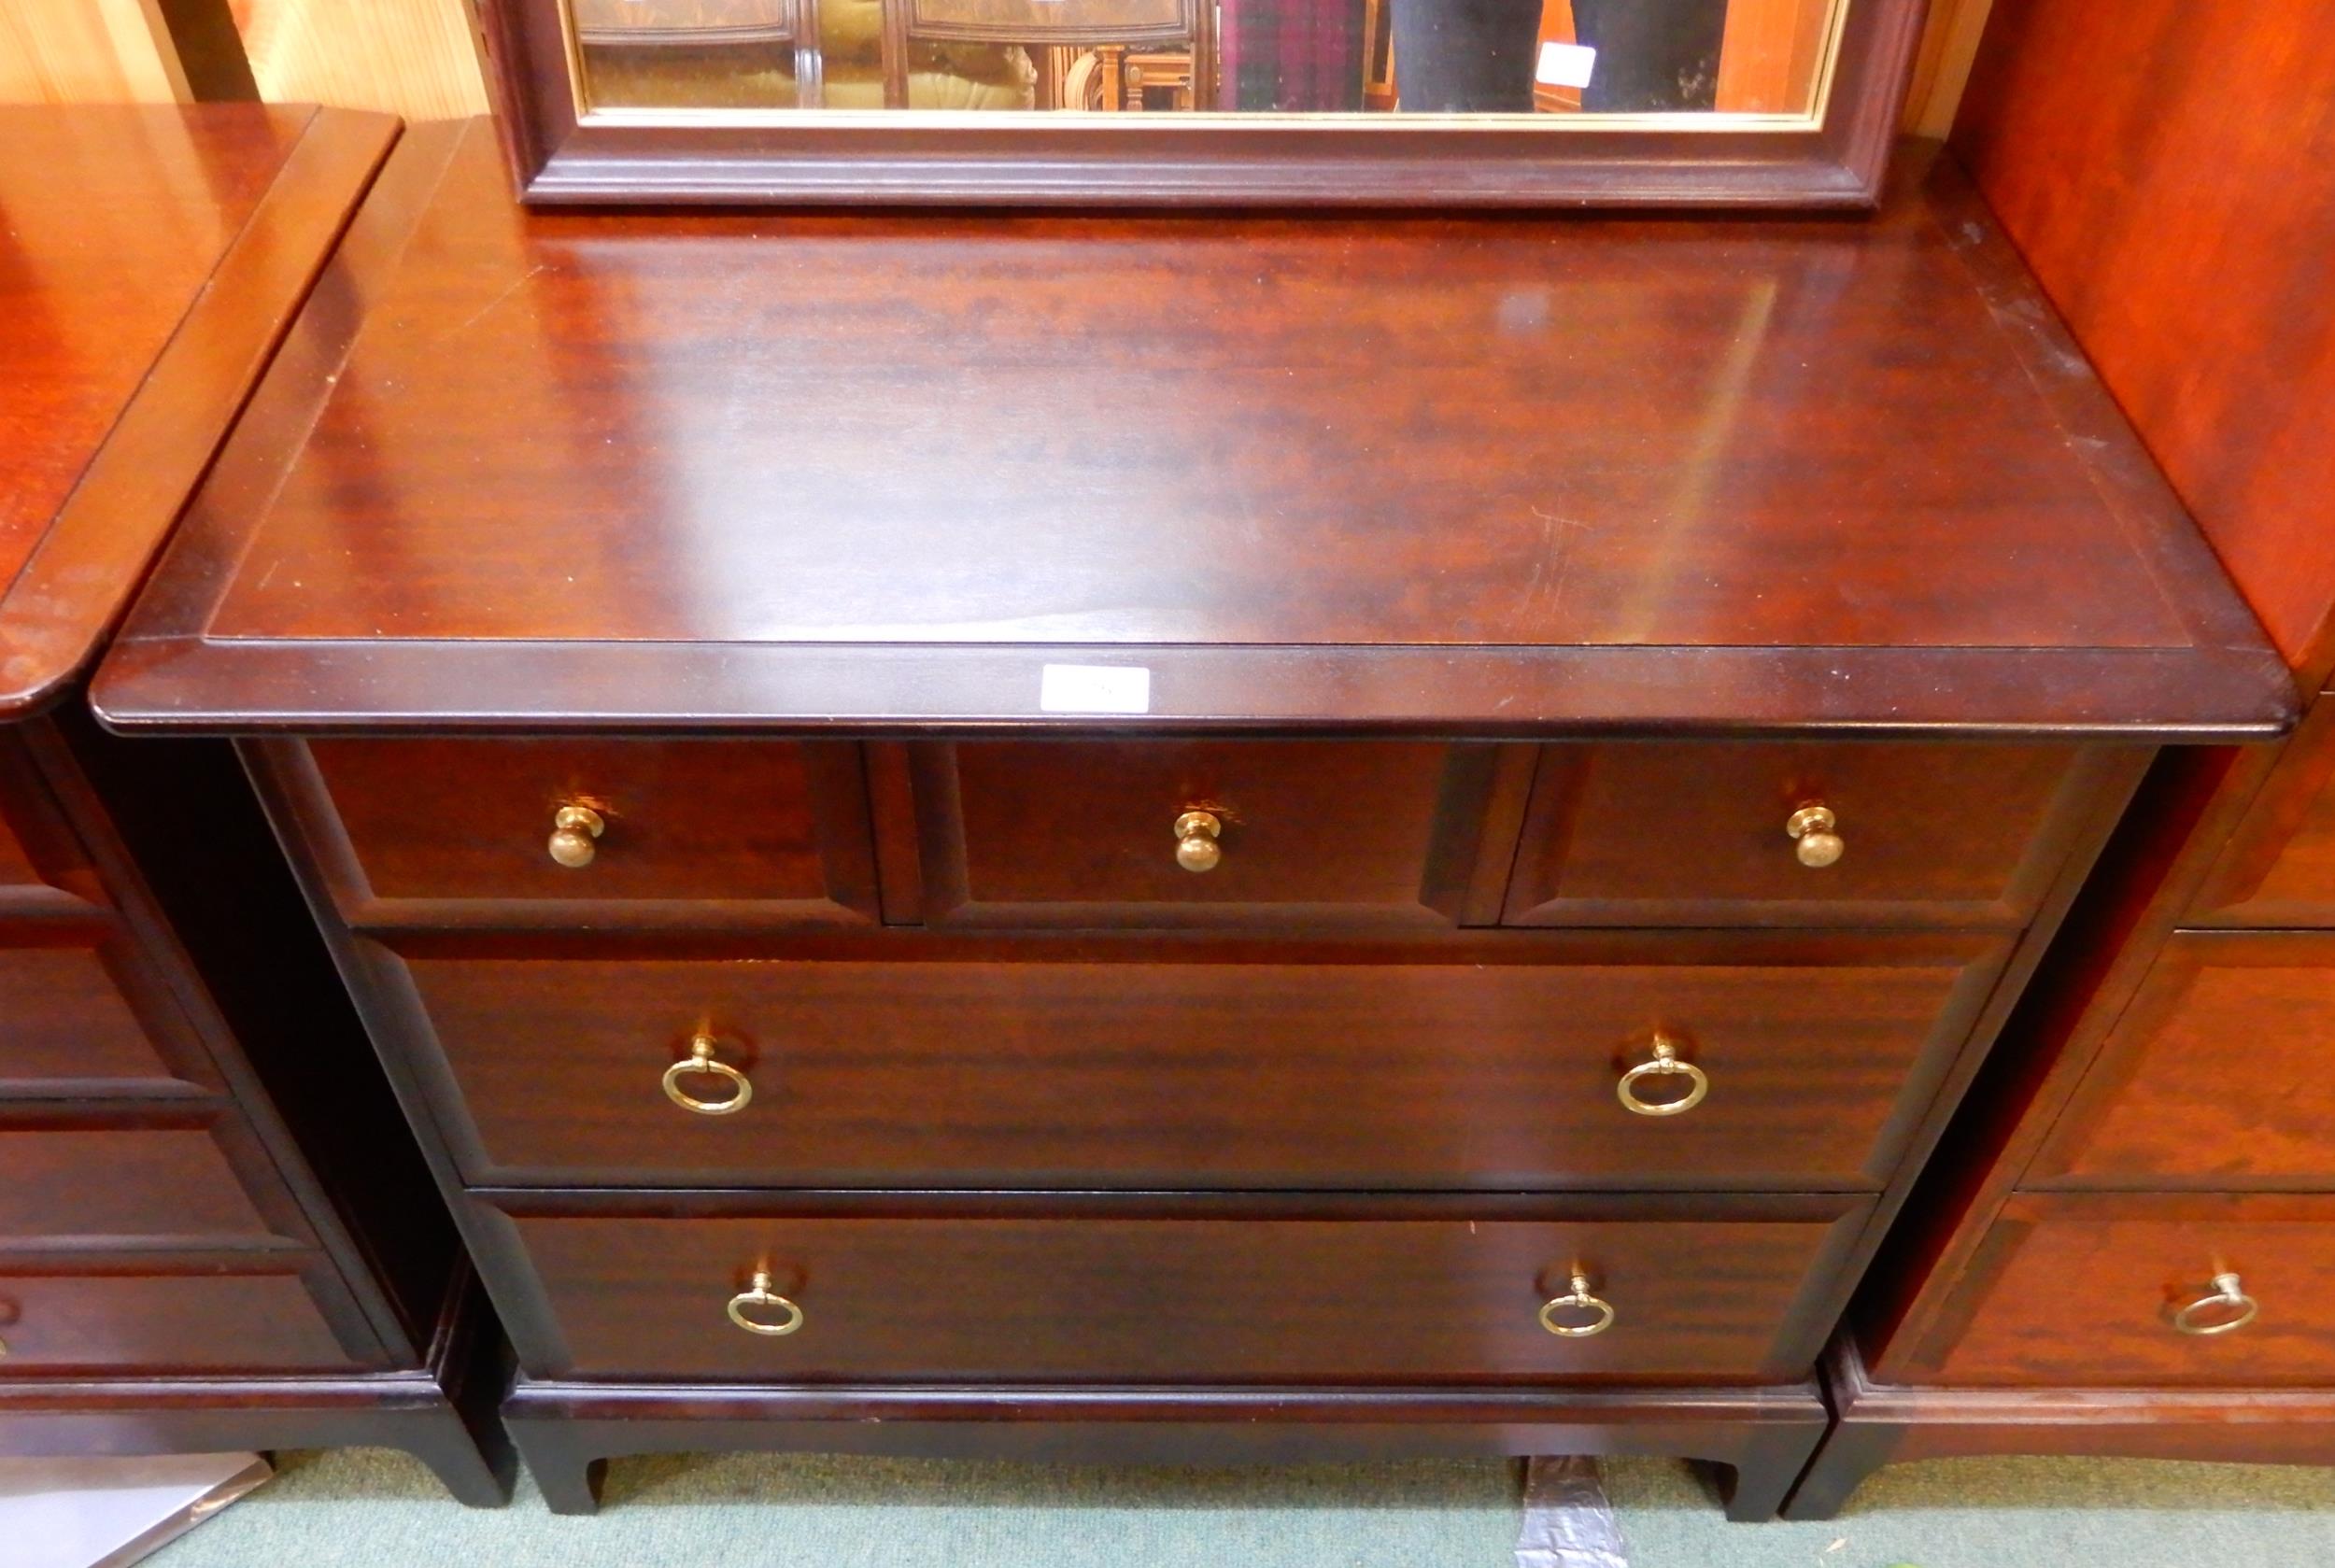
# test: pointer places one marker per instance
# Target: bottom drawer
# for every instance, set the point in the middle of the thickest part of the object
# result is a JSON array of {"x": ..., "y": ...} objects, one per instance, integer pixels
[
  {"x": 118, "y": 1319},
  {"x": 1180, "y": 1299},
  {"x": 2099, "y": 1290}
]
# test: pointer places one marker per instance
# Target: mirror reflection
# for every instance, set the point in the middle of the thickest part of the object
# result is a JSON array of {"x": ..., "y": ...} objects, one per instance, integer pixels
[{"x": 1554, "y": 58}]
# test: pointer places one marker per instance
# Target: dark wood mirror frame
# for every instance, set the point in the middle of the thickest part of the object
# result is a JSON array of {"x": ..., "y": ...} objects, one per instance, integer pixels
[{"x": 559, "y": 158}]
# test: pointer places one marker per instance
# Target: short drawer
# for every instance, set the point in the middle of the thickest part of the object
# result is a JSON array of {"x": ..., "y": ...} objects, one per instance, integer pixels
[
  {"x": 2278, "y": 867},
  {"x": 118, "y": 1184},
  {"x": 2211, "y": 1075},
  {"x": 120, "y": 1316},
  {"x": 2099, "y": 1289},
  {"x": 1223, "y": 1300},
  {"x": 1704, "y": 833},
  {"x": 67, "y": 1026},
  {"x": 1148, "y": 833},
  {"x": 591, "y": 830},
  {"x": 1502, "y": 1066}
]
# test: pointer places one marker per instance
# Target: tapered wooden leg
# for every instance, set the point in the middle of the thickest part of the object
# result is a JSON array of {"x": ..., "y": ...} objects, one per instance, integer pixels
[
  {"x": 568, "y": 1477},
  {"x": 1851, "y": 1451}
]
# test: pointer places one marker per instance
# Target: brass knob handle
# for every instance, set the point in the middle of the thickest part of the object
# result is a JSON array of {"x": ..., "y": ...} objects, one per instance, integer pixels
[
  {"x": 2236, "y": 1310},
  {"x": 1576, "y": 1300},
  {"x": 1665, "y": 1064},
  {"x": 1819, "y": 845},
  {"x": 758, "y": 1297},
  {"x": 1196, "y": 849},
  {"x": 700, "y": 1063},
  {"x": 574, "y": 834}
]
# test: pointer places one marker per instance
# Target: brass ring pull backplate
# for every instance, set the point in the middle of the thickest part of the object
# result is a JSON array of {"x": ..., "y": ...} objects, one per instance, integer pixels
[
  {"x": 2227, "y": 1293},
  {"x": 759, "y": 1296},
  {"x": 1664, "y": 1064},
  {"x": 700, "y": 1063},
  {"x": 1812, "y": 828},
  {"x": 1577, "y": 1299}
]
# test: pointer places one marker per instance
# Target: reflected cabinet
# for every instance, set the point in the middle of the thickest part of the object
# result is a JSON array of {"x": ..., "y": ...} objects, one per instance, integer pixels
[{"x": 1193, "y": 102}]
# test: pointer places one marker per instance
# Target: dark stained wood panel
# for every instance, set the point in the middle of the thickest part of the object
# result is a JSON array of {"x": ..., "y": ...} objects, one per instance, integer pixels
[
  {"x": 67, "y": 1026},
  {"x": 122, "y": 1314},
  {"x": 1211, "y": 1301},
  {"x": 2278, "y": 867},
  {"x": 109, "y": 238},
  {"x": 2155, "y": 161},
  {"x": 1646, "y": 833},
  {"x": 1083, "y": 832},
  {"x": 2213, "y": 1076},
  {"x": 1410, "y": 472},
  {"x": 460, "y": 829},
  {"x": 2078, "y": 1291},
  {"x": 151, "y": 261},
  {"x": 123, "y": 1183},
  {"x": 1496, "y": 1073}
]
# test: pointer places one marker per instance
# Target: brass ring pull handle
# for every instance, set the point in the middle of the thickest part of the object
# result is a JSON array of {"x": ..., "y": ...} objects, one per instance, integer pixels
[
  {"x": 1577, "y": 1299},
  {"x": 575, "y": 832},
  {"x": 759, "y": 1295},
  {"x": 700, "y": 1063},
  {"x": 1664, "y": 1064},
  {"x": 1196, "y": 849},
  {"x": 2239, "y": 1307},
  {"x": 1813, "y": 827}
]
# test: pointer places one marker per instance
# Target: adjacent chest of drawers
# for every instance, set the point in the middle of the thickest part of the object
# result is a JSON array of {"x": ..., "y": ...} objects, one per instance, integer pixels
[
  {"x": 214, "y": 1228},
  {"x": 1408, "y": 859}
]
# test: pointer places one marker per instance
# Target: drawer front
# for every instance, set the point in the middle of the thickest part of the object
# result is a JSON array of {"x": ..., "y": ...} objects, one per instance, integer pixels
[
  {"x": 1139, "y": 833},
  {"x": 126, "y": 1318},
  {"x": 2085, "y": 1291},
  {"x": 1219, "y": 1300},
  {"x": 1660, "y": 833},
  {"x": 66, "y": 1027},
  {"x": 1376, "y": 1074},
  {"x": 2213, "y": 1075},
  {"x": 2279, "y": 865},
  {"x": 120, "y": 1184},
  {"x": 687, "y": 830}
]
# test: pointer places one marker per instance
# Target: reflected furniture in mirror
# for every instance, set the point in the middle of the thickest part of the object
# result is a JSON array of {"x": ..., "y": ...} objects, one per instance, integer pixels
[
  {"x": 1422, "y": 896},
  {"x": 1379, "y": 103},
  {"x": 215, "y": 1228}
]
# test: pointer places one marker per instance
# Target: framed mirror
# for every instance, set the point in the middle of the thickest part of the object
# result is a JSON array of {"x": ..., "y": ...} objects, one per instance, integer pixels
[{"x": 1184, "y": 103}]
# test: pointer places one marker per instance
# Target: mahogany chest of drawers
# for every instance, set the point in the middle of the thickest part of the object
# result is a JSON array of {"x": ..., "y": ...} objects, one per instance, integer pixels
[
  {"x": 215, "y": 1231},
  {"x": 1161, "y": 838}
]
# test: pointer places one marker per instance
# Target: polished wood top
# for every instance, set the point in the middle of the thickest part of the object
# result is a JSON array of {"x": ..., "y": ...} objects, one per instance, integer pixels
[
  {"x": 149, "y": 261},
  {"x": 1405, "y": 472}
]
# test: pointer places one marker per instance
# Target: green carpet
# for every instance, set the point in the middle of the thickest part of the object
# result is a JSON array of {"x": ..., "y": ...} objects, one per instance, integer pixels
[{"x": 765, "y": 1511}]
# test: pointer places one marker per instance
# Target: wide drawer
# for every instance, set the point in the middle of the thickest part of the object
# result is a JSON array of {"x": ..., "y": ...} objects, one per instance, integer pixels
[
  {"x": 1500, "y": 1066},
  {"x": 1221, "y": 1300},
  {"x": 1641, "y": 833},
  {"x": 2214, "y": 1074},
  {"x": 122, "y": 1316},
  {"x": 673, "y": 830},
  {"x": 67, "y": 1026},
  {"x": 2098, "y": 1289},
  {"x": 1155, "y": 832},
  {"x": 118, "y": 1184}
]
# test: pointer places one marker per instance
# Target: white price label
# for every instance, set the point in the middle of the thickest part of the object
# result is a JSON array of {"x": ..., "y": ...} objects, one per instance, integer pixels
[{"x": 1094, "y": 689}]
